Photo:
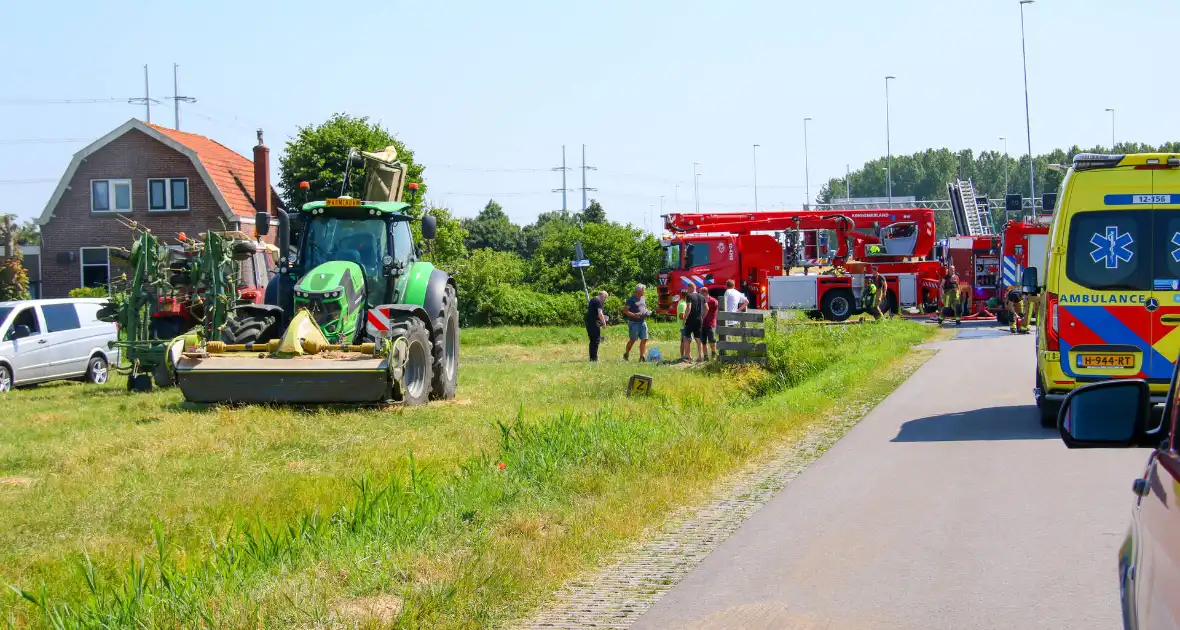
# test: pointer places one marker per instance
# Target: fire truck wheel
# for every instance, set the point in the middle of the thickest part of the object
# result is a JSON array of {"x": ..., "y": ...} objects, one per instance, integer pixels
[
  {"x": 1002, "y": 317},
  {"x": 837, "y": 305},
  {"x": 890, "y": 304}
]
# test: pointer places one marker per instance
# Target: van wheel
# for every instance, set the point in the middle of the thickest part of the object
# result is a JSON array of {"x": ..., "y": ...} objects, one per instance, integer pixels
[
  {"x": 5, "y": 379},
  {"x": 98, "y": 371},
  {"x": 1045, "y": 409}
]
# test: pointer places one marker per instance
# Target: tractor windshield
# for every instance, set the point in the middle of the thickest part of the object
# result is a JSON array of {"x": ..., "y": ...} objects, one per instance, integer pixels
[
  {"x": 671, "y": 260},
  {"x": 362, "y": 241}
]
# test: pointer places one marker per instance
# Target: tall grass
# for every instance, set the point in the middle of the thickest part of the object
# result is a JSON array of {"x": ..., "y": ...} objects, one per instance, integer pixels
[{"x": 476, "y": 543}]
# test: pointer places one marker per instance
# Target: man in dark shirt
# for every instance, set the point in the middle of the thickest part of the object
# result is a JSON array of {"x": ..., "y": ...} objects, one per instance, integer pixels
[
  {"x": 709, "y": 324},
  {"x": 694, "y": 317},
  {"x": 595, "y": 320}
]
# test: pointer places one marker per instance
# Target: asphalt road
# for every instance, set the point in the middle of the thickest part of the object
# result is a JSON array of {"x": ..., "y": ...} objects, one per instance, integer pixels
[{"x": 948, "y": 506}]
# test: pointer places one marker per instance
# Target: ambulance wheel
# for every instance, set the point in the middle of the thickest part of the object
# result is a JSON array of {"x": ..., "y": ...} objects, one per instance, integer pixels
[
  {"x": 1046, "y": 409},
  {"x": 414, "y": 388},
  {"x": 836, "y": 305}
]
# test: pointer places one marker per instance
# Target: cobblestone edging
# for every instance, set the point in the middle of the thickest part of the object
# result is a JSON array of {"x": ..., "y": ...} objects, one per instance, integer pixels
[{"x": 617, "y": 595}]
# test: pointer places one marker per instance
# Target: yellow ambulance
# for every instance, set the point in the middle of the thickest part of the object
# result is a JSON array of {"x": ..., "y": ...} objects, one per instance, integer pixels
[{"x": 1110, "y": 293}]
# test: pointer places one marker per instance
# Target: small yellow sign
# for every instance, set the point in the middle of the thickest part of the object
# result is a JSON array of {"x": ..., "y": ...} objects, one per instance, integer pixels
[
  {"x": 342, "y": 202},
  {"x": 639, "y": 384}
]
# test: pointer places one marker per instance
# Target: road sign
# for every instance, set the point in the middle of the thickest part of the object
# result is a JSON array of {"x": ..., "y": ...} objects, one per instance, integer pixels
[
  {"x": 578, "y": 255},
  {"x": 639, "y": 384},
  {"x": 579, "y": 263}
]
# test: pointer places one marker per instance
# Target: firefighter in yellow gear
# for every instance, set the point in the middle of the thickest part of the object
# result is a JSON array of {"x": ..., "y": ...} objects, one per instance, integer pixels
[
  {"x": 950, "y": 295},
  {"x": 872, "y": 295},
  {"x": 1017, "y": 315}
]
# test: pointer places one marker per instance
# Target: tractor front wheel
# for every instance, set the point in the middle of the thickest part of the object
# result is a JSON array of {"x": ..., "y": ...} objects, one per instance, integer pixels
[
  {"x": 249, "y": 328},
  {"x": 445, "y": 336},
  {"x": 414, "y": 388}
]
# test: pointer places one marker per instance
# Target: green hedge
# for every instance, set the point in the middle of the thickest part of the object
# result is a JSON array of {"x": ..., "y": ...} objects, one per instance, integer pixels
[{"x": 88, "y": 292}]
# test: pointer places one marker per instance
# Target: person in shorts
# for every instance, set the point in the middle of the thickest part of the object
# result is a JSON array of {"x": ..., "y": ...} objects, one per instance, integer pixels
[
  {"x": 709, "y": 324},
  {"x": 694, "y": 317},
  {"x": 635, "y": 310}
]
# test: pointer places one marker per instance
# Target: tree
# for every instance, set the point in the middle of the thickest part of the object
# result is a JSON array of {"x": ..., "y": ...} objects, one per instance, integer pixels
[
  {"x": 447, "y": 249},
  {"x": 593, "y": 213},
  {"x": 28, "y": 233},
  {"x": 546, "y": 222},
  {"x": 619, "y": 255},
  {"x": 492, "y": 228},
  {"x": 318, "y": 154},
  {"x": 14, "y": 280}
]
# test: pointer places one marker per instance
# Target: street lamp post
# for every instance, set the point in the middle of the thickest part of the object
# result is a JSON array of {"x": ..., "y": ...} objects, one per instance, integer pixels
[
  {"x": 1005, "y": 141},
  {"x": 806, "y": 166},
  {"x": 888, "y": 146},
  {"x": 1032, "y": 178},
  {"x": 696, "y": 188},
  {"x": 848, "y": 182},
  {"x": 756, "y": 178},
  {"x": 676, "y": 192},
  {"x": 1111, "y": 110}
]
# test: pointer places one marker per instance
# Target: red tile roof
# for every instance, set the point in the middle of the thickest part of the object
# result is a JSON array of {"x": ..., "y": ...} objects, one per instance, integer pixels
[{"x": 231, "y": 172}]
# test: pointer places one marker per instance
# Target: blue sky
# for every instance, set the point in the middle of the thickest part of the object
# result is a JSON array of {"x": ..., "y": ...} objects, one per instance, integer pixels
[{"x": 486, "y": 93}]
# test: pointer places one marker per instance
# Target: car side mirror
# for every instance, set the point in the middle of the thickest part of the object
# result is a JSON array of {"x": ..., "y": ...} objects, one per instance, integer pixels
[
  {"x": 429, "y": 226},
  {"x": 1028, "y": 281},
  {"x": 262, "y": 223},
  {"x": 1110, "y": 414},
  {"x": 20, "y": 331}
]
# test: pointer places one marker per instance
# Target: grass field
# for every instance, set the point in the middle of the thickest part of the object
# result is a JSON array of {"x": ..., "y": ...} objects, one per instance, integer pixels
[{"x": 123, "y": 510}]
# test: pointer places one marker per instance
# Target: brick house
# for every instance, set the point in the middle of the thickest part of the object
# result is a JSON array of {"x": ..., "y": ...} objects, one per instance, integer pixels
[{"x": 166, "y": 180}]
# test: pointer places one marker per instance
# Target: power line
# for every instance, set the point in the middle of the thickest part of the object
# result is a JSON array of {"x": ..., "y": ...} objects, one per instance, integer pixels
[
  {"x": 63, "y": 101},
  {"x": 42, "y": 140},
  {"x": 31, "y": 180}
]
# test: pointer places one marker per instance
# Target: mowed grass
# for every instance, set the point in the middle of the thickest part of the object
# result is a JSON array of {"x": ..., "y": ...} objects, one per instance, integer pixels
[{"x": 124, "y": 510}]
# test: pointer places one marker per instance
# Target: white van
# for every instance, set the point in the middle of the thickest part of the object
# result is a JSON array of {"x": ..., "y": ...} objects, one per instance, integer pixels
[{"x": 49, "y": 340}]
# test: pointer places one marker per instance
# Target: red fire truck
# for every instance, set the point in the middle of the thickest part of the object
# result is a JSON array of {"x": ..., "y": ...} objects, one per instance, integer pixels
[
  {"x": 1023, "y": 245},
  {"x": 758, "y": 250}
]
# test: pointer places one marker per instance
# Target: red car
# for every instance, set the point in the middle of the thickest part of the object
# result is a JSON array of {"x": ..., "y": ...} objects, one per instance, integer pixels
[{"x": 1119, "y": 414}]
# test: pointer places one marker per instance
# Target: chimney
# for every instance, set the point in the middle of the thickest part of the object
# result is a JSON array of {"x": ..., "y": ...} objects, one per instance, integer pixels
[{"x": 261, "y": 177}]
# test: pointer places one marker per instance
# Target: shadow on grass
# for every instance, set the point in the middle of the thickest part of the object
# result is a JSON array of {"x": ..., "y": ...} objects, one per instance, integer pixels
[{"x": 992, "y": 423}]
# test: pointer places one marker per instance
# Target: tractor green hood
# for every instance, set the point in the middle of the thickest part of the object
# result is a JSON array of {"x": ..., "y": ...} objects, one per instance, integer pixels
[{"x": 334, "y": 294}]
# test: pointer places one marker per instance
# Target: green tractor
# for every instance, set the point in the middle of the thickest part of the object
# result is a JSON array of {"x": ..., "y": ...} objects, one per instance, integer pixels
[{"x": 352, "y": 315}]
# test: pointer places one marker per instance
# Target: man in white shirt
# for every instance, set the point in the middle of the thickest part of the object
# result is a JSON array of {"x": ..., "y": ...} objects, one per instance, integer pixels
[{"x": 734, "y": 300}]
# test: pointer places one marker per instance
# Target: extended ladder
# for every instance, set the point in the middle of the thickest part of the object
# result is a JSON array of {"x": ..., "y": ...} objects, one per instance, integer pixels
[{"x": 971, "y": 217}]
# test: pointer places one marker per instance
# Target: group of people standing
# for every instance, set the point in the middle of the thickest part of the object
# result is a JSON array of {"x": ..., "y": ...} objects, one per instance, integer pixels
[{"x": 696, "y": 309}]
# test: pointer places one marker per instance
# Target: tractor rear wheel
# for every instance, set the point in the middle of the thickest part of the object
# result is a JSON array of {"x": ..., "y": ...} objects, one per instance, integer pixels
[
  {"x": 445, "y": 338},
  {"x": 414, "y": 388},
  {"x": 249, "y": 328}
]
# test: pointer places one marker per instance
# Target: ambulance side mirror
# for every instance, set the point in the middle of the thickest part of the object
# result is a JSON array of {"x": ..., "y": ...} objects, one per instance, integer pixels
[{"x": 1028, "y": 281}]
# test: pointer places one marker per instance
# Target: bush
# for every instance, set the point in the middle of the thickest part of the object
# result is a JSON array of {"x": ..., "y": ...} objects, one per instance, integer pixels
[
  {"x": 88, "y": 292},
  {"x": 524, "y": 307}
]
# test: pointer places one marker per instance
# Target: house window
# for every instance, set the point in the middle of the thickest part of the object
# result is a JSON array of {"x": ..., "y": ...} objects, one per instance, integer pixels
[
  {"x": 96, "y": 267},
  {"x": 110, "y": 195},
  {"x": 168, "y": 194}
]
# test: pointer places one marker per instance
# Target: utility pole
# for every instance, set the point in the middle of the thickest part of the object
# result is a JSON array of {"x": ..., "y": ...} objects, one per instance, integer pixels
[
  {"x": 806, "y": 167},
  {"x": 847, "y": 182},
  {"x": 696, "y": 188},
  {"x": 1005, "y": 141},
  {"x": 1111, "y": 110},
  {"x": 756, "y": 177},
  {"x": 147, "y": 99},
  {"x": 1032, "y": 177},
  {"x": 677, "y": 193},
  {"x": 177, "y": 98},
  {"x": 661, "y": 206},
  {"x": 563, "y": 188},
  {"x": 888, "y": 147},
  {"x": 584, "y": 169}
]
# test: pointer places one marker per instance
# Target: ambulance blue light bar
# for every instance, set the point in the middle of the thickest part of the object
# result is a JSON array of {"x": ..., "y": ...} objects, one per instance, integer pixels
[{"x": 1091, "y": 161}]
